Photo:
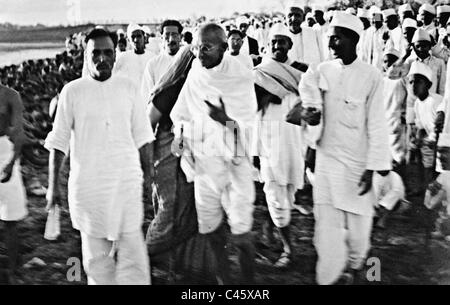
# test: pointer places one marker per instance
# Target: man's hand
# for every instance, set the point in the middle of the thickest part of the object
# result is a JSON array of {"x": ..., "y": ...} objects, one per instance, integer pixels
[
  {"x": 439, "y": 122},
  {"x": 53, "y": 198},
  {"x": 311, "y": 116},
  {"x": 218, "y": 114},
  {"x": 7, "y": 172},
  {"x": 366, "y": 182},
  {"x": 294, "y": 115}
]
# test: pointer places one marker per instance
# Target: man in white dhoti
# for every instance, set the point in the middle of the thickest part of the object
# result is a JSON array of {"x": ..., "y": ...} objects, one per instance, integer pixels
[
  {"x": 219, "y": 91},
  {"x": 235, "y": 41},
  {"x": 306, "y": 42},
  {"x": 132, "y": 63},
  {"x": 103, "y": 118},
  {"x": 171, "y": 31},
  {"x": 12, "y": 192},
  {"x": 354, "y": 144},
  {"x": 279, "y": 147}
]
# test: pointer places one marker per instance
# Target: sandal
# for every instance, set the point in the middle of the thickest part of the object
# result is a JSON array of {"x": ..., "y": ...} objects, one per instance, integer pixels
[{"x": 284, "y": 261}]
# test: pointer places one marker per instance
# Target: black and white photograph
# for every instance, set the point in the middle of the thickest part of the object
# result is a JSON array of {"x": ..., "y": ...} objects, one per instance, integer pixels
[{"x": 225, "y": 143}]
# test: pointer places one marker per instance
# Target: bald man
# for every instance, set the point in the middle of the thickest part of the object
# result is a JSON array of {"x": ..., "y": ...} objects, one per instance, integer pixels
[{"x": 213, "y": 112}]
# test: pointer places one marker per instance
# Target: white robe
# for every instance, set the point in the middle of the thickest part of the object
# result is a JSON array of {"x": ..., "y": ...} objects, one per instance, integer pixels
[
  {"x": 244, "y": 59},
  {"x": 105, "y": 124},
  {"x": 306, "y": 47},
  {"x": 375, "y": 47},
  {"x": 154, "y": 69},
  {"x": 132, "y": 65},
  {"x": 322, "y": 32}
]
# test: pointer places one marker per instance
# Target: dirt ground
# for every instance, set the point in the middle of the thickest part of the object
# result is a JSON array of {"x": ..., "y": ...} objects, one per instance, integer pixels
[{"x": 400, "y": 248}]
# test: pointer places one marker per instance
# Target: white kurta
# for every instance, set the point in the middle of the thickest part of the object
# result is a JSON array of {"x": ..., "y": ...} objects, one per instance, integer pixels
[
  {"x": 132, "y": 65},
  {"x": 105, "y": 124},
  {"x": 355, "y": 135},
  {"x": 375, "y": 47},
  {"x": 154, "y": 69},
  {"x": 306, "y": 47},
  {"x": 322, "y": 32}
]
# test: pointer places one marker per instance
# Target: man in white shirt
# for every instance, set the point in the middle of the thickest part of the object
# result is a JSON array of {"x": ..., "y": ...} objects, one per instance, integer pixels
[
  {"x": 102, "y": 118},
  {"x": 234, "y": 46},
  {"x": 306, "y": 48},
  {"x": 354, "y": 143},
  {"x": 171, "y": 31},
  {"x": 427, "y": 14},
  {"x": 376, "y": 40},
  {"x": 322, "y": 28},
  {"x": 132, "y": 63},
  {"x": 395, "y": 32}
]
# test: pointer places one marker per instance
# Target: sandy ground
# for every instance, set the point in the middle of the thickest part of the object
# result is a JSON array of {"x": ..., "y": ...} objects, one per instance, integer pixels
[{"x": 400, "y": 249}]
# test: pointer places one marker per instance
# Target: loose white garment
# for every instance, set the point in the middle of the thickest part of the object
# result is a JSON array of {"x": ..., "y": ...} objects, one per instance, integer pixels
[
  {"x": 223, "y": 175},
  {"x": 354, "y": 137},
  {"x": 132, "y": 266},
  {"x": 154, "y": 69},
  {"x": 12, "y": 193},
  {"x": 105, "y": 124},
  {"x": 394, "y": 97},
  {"x": 375, "y": 47},
  {"x": 363, "y": 44},
  {"x": 395, "y": 39},
  {"x": 279, "y": 144},
  {"x": 154, "y": 46},
  {"x": 306, "y": 47},
  {"x": 425, "y": 113},
  {"x": 388, "y": 189},
  {"x": 244, "y": 59},
  {"x": 432, "y": 30},
  {"x": 322, "y": 33},
  {"x": 232, "y": 82},
  {"x": 132, "y": 65}
]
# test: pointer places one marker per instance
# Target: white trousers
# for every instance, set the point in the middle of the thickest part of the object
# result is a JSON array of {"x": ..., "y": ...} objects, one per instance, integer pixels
[
  {"x": 280, "y": 199},
  {"x": 132, "y": 266},
  {"x": 223, "y": 186},
  {"x": 341, "y": 239}
]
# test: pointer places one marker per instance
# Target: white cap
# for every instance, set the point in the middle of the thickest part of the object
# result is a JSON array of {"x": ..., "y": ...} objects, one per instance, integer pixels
[
  {"x": 427, "y": 8},
  {"x": 388, "y": 12},
  {"x": 347, "y": 21},
  {"x": 295, "y": 3},
  {"x": 133, "y": 27},
  {"x": 392, "y": 51},
  {"x": 443, "y": 9},
  {"x": 317, "y": 7},
  {"x": 404, "y": 8},
  {"x": 309, "y": 15},
  {"x": 240, "y": 20},
  {"x": 418, "y": 67},
  {"x": 120, "y": 31},
  {"x": 409, "y": 23},
  {"x": 362, "y": 13},
  {"x": 374, "y": 10},
  {"x": 351, "y": 11},
  {"x": 146, "y": 29},
  {"x": 279, "y": 29},
  {"x": 421, "y": 35}
]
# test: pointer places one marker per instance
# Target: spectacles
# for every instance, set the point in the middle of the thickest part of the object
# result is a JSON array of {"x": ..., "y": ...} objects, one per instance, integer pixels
[{"x": 203, "y": 48}]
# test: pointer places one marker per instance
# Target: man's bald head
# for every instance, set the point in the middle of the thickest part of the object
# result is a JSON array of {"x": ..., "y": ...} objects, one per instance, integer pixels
[
  {"x": 214, "y": 30},
  {"x": 211, "y": 44}
]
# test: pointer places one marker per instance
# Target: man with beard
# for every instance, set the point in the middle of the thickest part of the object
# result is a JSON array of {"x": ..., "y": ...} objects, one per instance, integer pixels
[
  {"x": 171, "y": 32},
  {"x": 211, "y": 117},
  {"x": 305, "y": 41},
  {"x": 279, "y": 149},
  {"x": 131, "y": 63},
  {"x": 102, "y": 118},
  {"x": 354, "y": 143}
]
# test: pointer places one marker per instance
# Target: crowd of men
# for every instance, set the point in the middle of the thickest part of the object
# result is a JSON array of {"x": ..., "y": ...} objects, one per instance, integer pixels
[{"x": 340, "y": 100}]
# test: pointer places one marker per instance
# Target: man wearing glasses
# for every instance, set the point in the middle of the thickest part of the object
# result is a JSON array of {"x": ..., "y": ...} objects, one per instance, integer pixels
[
  {"x": 213, "y": 113},
  {"x": 171, "y": 32}
]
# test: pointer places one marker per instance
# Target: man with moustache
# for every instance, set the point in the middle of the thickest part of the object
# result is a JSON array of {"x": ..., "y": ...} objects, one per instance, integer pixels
[
  {"x": 171, "y": 32},
  {"x": 102, "y": 118},
  {"x": 354, "y": 143}
]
